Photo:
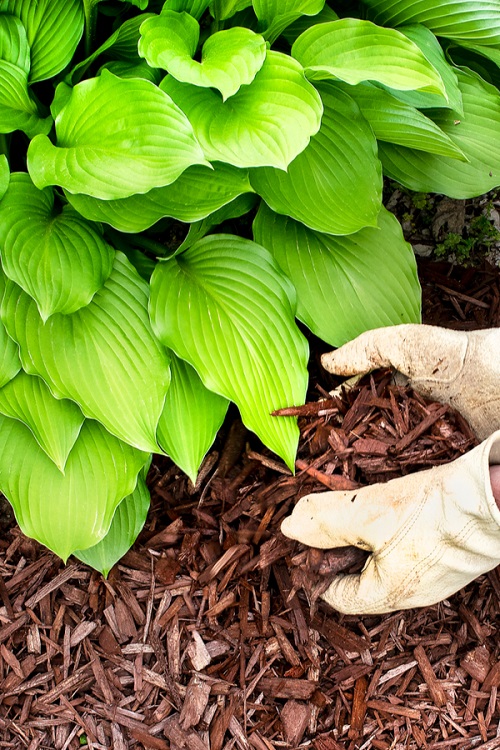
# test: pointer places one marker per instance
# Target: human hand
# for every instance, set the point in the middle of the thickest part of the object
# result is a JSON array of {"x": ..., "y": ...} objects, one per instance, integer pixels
[
  {"x": 455, "y": 367},
  {"x": 429, "y": 534}
]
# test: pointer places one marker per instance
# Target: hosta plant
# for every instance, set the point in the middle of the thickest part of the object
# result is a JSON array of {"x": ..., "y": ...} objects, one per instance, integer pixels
[{"x": 180, "y": 184}]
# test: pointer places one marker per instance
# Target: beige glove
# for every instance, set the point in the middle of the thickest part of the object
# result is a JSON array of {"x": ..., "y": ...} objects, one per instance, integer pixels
[
  {"x": 430, "y": 533},
  {"x": 456, "y": 367}
]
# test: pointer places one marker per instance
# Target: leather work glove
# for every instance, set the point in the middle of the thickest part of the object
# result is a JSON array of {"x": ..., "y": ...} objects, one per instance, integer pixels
[
  {"x": 456, "y": 367},
  {"x": 431, "y": 533}
]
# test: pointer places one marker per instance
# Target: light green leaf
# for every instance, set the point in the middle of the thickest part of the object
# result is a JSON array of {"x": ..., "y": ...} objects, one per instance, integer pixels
[
  {"x": 10, "y": 364},
  {"x": 335, "y": 184},
  {"x": 121, "y": 45},
  {"x": 195, "y": 8},
  {"x": 355, "y": 51},
  {"x": 54, "y": 423},
  {"x": 126, "y": 526},
  {"x": 477, "y": 134},
  {"x": 224, "y": 9},
  {"x": 465, "y": 20},
  {"x": 14, "y": 47},
  {"x": 4, "y": 175},
  {"x": 345, "y": 285},
  {"x": 140, "y": 69},
  {"x": 427, "y": 42},
  {"x": 103, "y": 147},
  {"x": 74, "y": 510},
  {"x": 191, "y": 418},
  {"x": 266, "y": 124},
  {"x": 53, "y": 27},
  {"x": 58, "y": 258},
  {"x": 276, "y": 15},
  {"x": 104, "y": 356},
  {"x": 229, "y": 59},
  {"x": 198, "y": 192},
  {"x": 396, "y": 122},
  {"x": 226, "y": 308}
]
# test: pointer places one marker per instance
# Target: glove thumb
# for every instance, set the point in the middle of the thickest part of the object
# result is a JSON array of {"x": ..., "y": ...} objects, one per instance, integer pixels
[{"x": 360, "y": 594}]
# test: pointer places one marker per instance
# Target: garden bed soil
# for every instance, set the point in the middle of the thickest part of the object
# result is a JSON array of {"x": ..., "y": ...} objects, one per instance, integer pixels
[{"x": 209, "y": 633}]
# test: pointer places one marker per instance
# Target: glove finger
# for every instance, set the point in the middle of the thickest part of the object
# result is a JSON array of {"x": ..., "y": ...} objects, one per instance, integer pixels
[
  {"x": 381, "y": 347},
  {"x": 362, "y": 594}
]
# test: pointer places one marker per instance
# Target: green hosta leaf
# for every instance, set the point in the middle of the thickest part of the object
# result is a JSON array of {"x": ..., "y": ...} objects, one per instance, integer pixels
[
  {"x": 10, "y": 364},
  {"x": 191, "y": 418},
  {"x": 276, "y": 15},
  {"x": 198, "y": 192},
  {"x": 477, "y": 134},
  {"x": 335, "y": 184},
  {"x": 266, "y": 124},
  {"x": 239, "y": 207},
  {"x": 53, "y": 27},
  {"x": 57, "y": 258},
  {"x": 4, "y": 175},
  {"x": 397, "y": 122},
  {"x": 104, "y": 356},
  {"x": 356, "y": 51},
  {"x": 427, "y": 42},
  {"x": 229, "y": 59},
  {"x": 126, "y": 526},
  {"x": 103, "y": 147},
  {"x": 466, "y": 20},
  {"x": 224, "y": 9},
  {"x": 14, "y": 47},
  {"x": 55, "y": 423},
  {"x": 226, "y": 308},
  {"x": 345, "y": 285},
  {"x": 195, "y": 8},
  {"x": 71, "y": 511},
  {"x": 121, "y": 45}
]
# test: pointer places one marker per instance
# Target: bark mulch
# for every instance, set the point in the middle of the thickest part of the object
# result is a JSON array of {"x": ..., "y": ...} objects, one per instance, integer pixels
[{"x": 209, "y": 634}]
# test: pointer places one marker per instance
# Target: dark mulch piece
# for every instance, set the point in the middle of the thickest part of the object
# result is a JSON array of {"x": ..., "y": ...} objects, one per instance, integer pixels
[{"x": 209, "y": 633}]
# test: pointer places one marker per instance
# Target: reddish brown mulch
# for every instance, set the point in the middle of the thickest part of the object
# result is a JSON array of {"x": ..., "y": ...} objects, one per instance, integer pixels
[{"x": 209, "y": 633}]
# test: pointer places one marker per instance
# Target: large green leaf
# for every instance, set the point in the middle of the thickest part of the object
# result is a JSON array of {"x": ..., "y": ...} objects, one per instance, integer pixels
[
  {"x": 53, "y": 27},
  {"x": 4, "y": 175},
  {"x": 139, "y": 69},
  {"x": 335, "y": 184},
  {"x": 73, "y": 510},
  {"x": 55, "y": 423},
  {"x": 126, "y": 526},
  {"x": 225, "y": 307},
  {"x": 56, "y": 257},
  {"x": 477, "y": 134},
  {"x": 10, "y": 364},
  {"x": 229, "y": 59},
  {"x": 191, "y": 418},
  {"x": 266, "y": 124},
  {"x": 305, "y": 22},
  {"x": 469, "y": 20},
  {"x": 197, "y": 193},
  {"x": 18, "y": 110},
  {"x": 396, "y": 122},
  {"x": 355, "y": 51},
  {"x": 115, "y": 137},
  {"x": 276, "y": 15},
  {"x": 345, "y": 285},
  {"x": 104, "y": 356},
  {"x": 427, "y": 42}
]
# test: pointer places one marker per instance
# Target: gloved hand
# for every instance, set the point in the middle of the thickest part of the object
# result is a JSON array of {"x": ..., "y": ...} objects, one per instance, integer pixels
[
  {"x": 456, "y": 367},
  {"x": 429, "y": 534},
  {"x": 433, "y": 532}
]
